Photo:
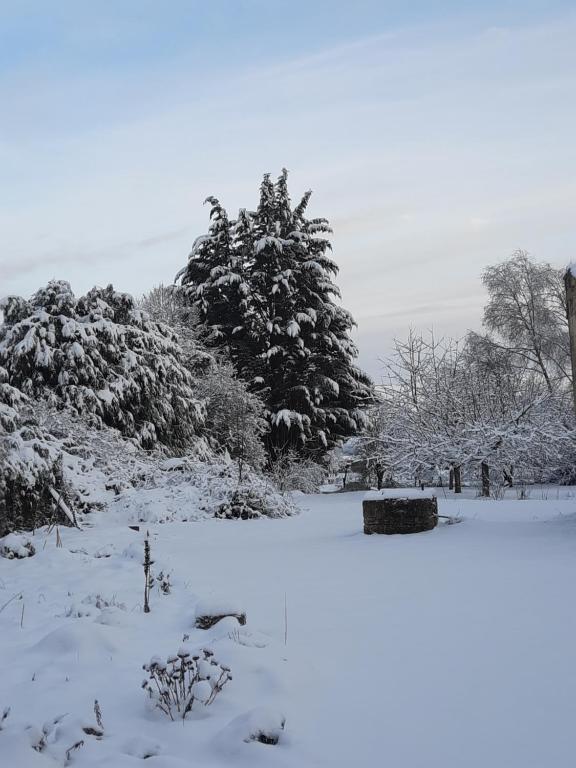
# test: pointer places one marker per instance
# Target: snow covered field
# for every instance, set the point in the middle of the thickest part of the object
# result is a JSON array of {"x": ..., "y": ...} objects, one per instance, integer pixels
[{"x": 444, "y": 649}]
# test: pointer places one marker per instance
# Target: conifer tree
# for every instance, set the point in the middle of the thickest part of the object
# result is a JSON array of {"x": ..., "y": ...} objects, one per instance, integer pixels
[
  {"x": 213, "y": 280},
  {"x": 266, "y": 290}
]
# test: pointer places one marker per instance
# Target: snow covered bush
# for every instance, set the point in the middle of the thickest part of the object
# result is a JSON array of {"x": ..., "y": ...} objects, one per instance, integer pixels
[
  {"x": 16, "y": 547},
  {"x": 97, "y": 463},
  {"x": 201, "y": 489},
  {"x": 31, "y": 478},
  {"x": 175, "y": 685},
  {"x": 291, "y": 472},
  {"x": 167, "y": 304},
  {"x": 31, "y": 471},
  {"x": 244, "y": 504},
  {"x": 103, "y": 357},
  {"x": 234, "y": 421}
]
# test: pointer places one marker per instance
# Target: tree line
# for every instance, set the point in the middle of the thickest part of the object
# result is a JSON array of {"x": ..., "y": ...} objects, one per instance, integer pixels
[
  {"x": 493, "y": 406},
  {"x": 248, "y": 356}
]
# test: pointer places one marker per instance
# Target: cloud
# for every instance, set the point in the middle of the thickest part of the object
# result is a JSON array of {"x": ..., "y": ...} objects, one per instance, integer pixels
[
  {"x": 67, "y": 255},
  {"x": 165, "y": 237},
  {"x": 434, "y": 151}
]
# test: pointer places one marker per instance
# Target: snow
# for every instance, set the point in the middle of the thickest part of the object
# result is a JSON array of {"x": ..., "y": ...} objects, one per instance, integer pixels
[
  {"x": 105, "y": 395},
  {"x": 218, "y": 606},
  {"x": 443, "y": 649},
  {"x": 247, "y": 727},
  {"x": 400, "y": 493},
  {"x": 170, "y": 465},
  {"x": 293, "y": 329}
]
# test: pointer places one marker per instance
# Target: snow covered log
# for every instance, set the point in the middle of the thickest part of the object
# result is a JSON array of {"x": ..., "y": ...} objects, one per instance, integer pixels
[
  {"x": 399, "y": 512},
  {"x": 207, "y": 622},
  {"x": 210, "y": 612}
]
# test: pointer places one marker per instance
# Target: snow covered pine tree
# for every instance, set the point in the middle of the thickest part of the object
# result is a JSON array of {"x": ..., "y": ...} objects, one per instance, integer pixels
[
  {"x": 105, "y": 359},
  {"x": 263, "y": 287}
]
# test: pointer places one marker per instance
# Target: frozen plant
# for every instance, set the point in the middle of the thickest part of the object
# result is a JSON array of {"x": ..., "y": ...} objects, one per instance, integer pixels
[
  {"x": 98, "y": 715},
  {"x": 4, "y": 716},
  {"x": 163, "y": 582},
  {"x": 100, "y": 602},
  {"x": 182, "y": 680},
  {"x": 148, "y": 581}
]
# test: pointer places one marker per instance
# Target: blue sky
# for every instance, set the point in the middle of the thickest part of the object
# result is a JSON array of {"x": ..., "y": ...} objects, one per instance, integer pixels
[{"x": 437, "y": 137}]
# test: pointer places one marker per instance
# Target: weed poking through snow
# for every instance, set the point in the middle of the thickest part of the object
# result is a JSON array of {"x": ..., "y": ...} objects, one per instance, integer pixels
[{"x": 163, "y": 583}]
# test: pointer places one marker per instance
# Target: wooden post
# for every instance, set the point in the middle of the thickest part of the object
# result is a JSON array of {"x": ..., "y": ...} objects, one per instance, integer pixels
[{"x": 570, "y": 284}]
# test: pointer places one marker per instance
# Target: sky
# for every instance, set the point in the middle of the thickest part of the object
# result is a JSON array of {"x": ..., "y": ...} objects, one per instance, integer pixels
[{"x": 438, "y": 137}]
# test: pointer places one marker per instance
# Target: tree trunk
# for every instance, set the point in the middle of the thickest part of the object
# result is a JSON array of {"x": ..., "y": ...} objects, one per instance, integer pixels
[
  {"x": 457, "y": 480},
  {"x": 451, "y": 479},
  {"x": 570, "y": 284},
  {"x": 379, "y": 477},
  {"x": 485, "y": 472},
  {"x": 509, "y": 477}
]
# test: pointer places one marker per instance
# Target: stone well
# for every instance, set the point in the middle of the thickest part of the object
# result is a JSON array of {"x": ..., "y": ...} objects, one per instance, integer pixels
[{"x": 399, "y": 511}]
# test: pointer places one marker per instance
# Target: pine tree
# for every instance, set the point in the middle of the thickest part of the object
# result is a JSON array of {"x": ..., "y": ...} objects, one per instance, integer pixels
[
  {"x": 213, "y": 281},
  {"x": 105, "y": 359},
  {"x": 276, "y": 312}
]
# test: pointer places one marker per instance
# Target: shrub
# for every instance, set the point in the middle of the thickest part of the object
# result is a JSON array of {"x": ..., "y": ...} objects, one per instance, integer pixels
[
  {"x": 290, "y": 472},
  {"x": 244, "y": 504},
  {"x": 103, "y": 357},
  {"x": 174, "y": 686},
  {"x": 16, "y": 547}
]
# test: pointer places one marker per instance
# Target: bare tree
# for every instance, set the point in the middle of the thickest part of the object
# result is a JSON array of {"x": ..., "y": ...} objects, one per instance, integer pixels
[
  {"x": 465, "y": 407},
  {"x": 526, "y": 315}
]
